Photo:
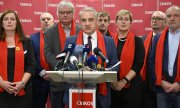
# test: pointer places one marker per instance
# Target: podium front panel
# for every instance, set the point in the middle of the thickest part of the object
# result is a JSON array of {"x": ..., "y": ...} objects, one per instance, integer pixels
[{"x": 79, "y": 98}]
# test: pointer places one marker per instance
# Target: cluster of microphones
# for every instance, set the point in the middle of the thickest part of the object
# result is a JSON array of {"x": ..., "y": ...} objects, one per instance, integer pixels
[{"x": 78, "y": 56}]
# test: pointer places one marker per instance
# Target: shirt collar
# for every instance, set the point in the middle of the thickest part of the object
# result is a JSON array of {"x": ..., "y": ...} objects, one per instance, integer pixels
[
  {"x": 66, "y": 28},
  {"x": 94, "y": 35},
  {"x": 177, "y": 31}
]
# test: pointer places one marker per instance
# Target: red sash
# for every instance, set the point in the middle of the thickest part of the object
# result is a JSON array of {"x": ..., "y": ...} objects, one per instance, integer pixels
[
  {"x": 19, "y": 62},
  {"x": 62, "y": 35},
  {"x": 127, "y": 55},
  {"x": 43, "y": 61},
  {"x": 159, "y": 59},
  {"x": 147, "y": 44},
  {"x": 101, "y": 45}
]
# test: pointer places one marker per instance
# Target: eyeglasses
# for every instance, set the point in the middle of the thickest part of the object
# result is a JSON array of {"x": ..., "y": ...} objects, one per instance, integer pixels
[
  {"x": 65, "y": 12},
  {"x": 156, "y": 19}
]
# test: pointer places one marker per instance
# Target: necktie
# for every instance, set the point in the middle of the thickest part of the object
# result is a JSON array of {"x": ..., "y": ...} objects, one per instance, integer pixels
[{"x": 89, "y": 42}]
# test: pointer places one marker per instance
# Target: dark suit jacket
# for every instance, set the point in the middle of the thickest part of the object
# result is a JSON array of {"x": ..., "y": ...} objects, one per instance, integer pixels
[
  {"x": 37, "y": 80},
  {"x": 165, "y": 72},
  {"x": 52, "y": 49},
  {"x": 104, "y": 101}
]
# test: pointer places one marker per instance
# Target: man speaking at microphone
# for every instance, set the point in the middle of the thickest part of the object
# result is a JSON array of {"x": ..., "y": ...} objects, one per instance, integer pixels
[{"x": 90, "y": 35}]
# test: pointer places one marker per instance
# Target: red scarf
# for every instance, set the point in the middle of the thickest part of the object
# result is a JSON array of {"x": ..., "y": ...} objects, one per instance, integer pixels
[
  {"x": 111, "y": 33},
  {"x": 159, "y": 59},
  {"x": 101, "y": 45},
  {"x": 43, "y": 61},
  {"x": 147, "y": 44},
  {"x": 127, "y": 55},
  {"x": 62, "y": 35},
  {"x": 19, "y": 62}
]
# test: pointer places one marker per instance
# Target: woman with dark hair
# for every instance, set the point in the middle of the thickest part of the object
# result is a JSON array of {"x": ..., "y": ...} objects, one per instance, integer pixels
[
  {"x": 17, "y": 63},
  {"x": 128, "y": 91}
]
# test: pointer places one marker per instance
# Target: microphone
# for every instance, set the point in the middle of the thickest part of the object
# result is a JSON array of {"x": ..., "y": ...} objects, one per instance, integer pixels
[
  {"x": 78, "y": 52},
  {"x": 97, "y": 51},
  {"x": 74, "y": 61},
  {"x": 60, "y": 57},
  {"x": 92, "y": 62},
  {"x": 69, "y": 50},
  {"x": 86, "y": 50}
]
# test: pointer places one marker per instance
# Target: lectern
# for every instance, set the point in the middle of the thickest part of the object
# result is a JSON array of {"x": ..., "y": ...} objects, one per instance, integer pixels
[{"x": 88, "y": 94}]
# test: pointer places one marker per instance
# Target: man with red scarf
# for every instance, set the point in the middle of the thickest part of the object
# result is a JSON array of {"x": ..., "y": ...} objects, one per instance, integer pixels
[
  {"x": 158, "y": 23},
  {"x": 88, "y": 21},
  {"x": 40, "y": 83},
  {"x": 54, "y": 44},
  {"x": 165, "y": 61},
  {"x": 103, "y": 21}
]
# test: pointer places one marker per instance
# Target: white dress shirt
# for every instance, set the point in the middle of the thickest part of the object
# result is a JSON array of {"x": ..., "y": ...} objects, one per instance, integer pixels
[
  {"x": 93, "y": 39},
  {"x": 173, "y": 43}
]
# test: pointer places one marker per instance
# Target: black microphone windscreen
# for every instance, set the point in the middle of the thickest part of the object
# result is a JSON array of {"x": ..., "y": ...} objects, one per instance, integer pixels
[{"x": 96, "y": 51}]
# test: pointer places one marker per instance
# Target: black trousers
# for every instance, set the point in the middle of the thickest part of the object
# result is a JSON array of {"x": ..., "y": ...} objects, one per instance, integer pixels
[
  {"x": 131, "y": 97},
  {"x": 10, "y": 101}
]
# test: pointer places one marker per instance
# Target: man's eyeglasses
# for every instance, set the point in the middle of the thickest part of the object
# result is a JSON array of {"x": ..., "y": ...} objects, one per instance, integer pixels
[
  {"x": 156, "y": 19},
  {"x": 65, "y": 12}
]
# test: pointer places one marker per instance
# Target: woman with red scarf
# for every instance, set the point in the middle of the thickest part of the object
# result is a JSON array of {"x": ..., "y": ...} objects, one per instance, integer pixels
[
  {"x": 17, "y": 63},
  {"x": 128, "y": 91}
]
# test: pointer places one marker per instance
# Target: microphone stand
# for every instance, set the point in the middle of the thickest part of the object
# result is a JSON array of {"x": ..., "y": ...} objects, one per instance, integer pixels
[{"x": 102, "y": 66}]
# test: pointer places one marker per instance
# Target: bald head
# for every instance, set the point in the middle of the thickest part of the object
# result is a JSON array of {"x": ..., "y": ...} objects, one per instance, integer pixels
[
  {"x": 173, "y": 17},
  {"x": 46, "y": 20},
  {"x": 158, "y": 22}
]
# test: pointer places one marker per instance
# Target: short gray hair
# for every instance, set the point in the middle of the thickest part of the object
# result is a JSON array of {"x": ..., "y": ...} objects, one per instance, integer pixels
[
  {"x": 65, "y": 3},
  {"x": 90, "y": 9}
]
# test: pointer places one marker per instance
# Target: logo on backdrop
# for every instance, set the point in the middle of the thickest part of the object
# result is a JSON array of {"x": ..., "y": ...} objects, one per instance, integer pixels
[
  {"x": 136, "y": 4},
  {"x": 81, "y": 5},
  {"x": 112, "y": 21},
  {"x": 52, "y": 5},
  {"x": 147, "y": 28},
  {"x": 25, "y": 20},
  {"x": 37, "y": 28},
  {"x": 165, "y": 3},
  {"x": 25, "y": 4},
  {"x": 149, "y": 12},
  {"x": 37, "y": 13},
  {"x": 1, "y": 3},
  {"x": 109, "y": 5},
  {"x": 137, "y": 21}
]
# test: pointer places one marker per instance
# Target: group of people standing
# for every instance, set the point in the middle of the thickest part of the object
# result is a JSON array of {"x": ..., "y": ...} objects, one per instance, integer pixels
[{"x": 148, "y": 77}]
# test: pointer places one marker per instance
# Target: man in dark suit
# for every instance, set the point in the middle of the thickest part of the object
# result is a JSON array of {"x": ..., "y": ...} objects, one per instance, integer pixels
[
  {"x": 158, "y": 23},
  {"x": 165, "y": 61},
  {"x": 40, "y": 83},
  {"x": 88, "y": 21},
  {"x": 54, "y": 44}
]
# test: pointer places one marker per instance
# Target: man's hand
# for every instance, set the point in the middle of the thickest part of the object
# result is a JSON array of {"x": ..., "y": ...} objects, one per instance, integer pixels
[
  {"x": 175, "y": 87},
  {"x": 166, "y": 86}
]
